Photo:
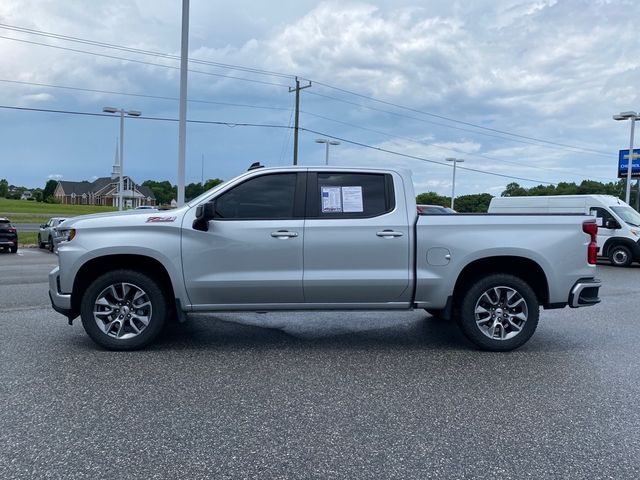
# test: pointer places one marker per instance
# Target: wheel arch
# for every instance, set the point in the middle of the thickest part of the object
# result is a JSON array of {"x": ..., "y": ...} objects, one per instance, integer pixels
[
  {"x": 627, "y": 242},
  {"x": 100, "y": 265},
  {"x": 525, "y": 268}
]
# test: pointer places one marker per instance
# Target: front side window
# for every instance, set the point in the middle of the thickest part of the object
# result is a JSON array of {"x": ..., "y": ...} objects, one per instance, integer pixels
[
  {"x": 353, "y": 195},
  {"x": 259, "y": 198},
  {"x": 602, "y": 216}
]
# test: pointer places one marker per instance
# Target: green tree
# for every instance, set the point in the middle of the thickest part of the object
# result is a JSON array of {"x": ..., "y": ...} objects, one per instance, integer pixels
[
  {"x": 514, "y": 190},
  {"x": 212, "y": 182},
  {"x": 192, "y": 190},
  {"x": 432, "y": 198},
  {"x": 4, "y": 188},
  {"x": 49, "y": 190},
  {"x": 474, "y": 203},
  {"x": 163, "y": 191}
]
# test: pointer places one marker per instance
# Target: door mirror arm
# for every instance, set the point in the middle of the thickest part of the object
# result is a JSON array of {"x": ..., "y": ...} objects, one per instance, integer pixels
[{"x": 204, "y": 213}]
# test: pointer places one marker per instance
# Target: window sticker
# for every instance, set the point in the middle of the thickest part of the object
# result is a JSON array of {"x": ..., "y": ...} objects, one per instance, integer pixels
[
  {"x": 331, "y": 200},
  {"x": 352, "y": 199}
]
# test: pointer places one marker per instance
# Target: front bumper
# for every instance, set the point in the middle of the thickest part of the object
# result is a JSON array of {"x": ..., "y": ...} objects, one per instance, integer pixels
[
  {"x": 585, "y": 293},
  {"x": 61, "y": 302}
]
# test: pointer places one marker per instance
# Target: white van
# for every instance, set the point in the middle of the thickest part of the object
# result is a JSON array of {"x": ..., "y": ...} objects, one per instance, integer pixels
[{"x": 618, "y": 223}]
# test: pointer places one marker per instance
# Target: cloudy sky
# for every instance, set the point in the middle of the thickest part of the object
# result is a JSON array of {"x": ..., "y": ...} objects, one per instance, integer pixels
[{"x": 522, "y": 88}]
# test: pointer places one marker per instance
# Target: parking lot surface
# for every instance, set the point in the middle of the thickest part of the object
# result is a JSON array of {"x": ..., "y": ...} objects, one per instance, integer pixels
[{"x": 318, "y": 395}]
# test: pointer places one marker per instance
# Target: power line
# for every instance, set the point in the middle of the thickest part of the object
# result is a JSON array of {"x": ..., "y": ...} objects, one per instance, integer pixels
[
  {"x": 140, "y": 95},
  {"x": 123, "y": 48},
  {"x": 449, "y": 119},
  {"x": 467, "y": 154},
  {"x": 406, "y": 155},
  {"x": 430, "y": 122},
  {"x": 232, "y": 125},
  {"x": 163, "y": 119},
  {"x": 282, "y": 75},
  {"x": 142, "y": 62},
  {"x": 159, "y": 97}
]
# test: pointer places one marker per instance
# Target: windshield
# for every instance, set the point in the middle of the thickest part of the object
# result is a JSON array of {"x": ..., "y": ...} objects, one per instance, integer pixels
[{"x": 628, "y": 214}]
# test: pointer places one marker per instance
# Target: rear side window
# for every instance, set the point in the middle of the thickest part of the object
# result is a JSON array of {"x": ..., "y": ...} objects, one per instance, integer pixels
[
  {"x": 349, "y": 195},
  {"x": 260, "y": 198}
]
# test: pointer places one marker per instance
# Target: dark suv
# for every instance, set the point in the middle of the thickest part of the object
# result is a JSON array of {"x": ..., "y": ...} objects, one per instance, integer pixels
[{"x": 8, "y": 235}]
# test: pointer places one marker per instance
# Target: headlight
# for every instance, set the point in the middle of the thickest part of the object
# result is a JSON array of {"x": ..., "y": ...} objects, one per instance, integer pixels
[{"x": 66, "y": 235}]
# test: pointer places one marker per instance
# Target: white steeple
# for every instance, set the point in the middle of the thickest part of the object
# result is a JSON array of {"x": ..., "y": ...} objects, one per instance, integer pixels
[{"x": 115, "y": 173}]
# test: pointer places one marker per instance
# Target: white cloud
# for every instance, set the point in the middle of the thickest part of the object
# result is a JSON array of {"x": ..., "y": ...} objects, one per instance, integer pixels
[{"x": 55, "y": 176}]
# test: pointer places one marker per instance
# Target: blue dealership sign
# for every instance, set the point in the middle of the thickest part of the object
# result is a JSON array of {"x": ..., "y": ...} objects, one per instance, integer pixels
[{"x": 623, "y": 163}]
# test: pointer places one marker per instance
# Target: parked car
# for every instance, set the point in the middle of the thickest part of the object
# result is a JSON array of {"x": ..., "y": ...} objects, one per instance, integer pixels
[
  {"x": 46, "y": 234},
  {"x": 8, "y": 235},
  {"x": 60, "y": 234},
  {"x": 434, "y": 210},
  {"x": 145, "y": 207},
  {"x": 323, "y": 238},
  {"x": 618, "y": 223}
]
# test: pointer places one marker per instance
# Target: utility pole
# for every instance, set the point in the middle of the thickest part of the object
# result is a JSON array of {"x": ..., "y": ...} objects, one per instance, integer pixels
[{"x": 295, "y": 128}]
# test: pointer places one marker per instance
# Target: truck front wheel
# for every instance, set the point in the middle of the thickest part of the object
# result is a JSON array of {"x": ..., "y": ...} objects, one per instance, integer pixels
[
  {"x": 499, "y": 312},
  {"x": 123, "y": 310}
]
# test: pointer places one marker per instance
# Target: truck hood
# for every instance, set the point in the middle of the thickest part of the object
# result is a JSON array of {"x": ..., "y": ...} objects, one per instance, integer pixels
[{"x": 129, "y": 217}]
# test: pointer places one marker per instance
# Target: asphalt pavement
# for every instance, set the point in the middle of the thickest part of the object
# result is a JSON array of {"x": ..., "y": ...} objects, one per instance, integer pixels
[{"x": 338, "y": 395}]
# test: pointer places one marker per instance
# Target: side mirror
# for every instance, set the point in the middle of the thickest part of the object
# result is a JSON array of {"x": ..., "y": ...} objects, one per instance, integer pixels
[
  {"x": 610, "y": 223},
  {"x": 204, "y": 213}
]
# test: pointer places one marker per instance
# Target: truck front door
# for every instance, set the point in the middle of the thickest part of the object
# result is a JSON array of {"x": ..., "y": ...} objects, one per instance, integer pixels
[{"x": 252, "y": 251}]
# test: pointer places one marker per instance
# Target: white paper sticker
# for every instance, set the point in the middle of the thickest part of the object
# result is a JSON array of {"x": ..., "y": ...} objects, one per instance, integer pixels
[
  {"x": 331, "y": 200},
  {"x": 352, "y": 199}
]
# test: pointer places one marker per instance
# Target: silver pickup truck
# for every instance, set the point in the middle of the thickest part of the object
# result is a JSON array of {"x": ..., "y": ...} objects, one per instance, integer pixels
[{"x": 320, "y": 238}]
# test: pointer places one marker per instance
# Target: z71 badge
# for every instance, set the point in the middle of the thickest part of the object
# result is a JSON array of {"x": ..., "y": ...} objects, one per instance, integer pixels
[{"x": 160, "y": 219}]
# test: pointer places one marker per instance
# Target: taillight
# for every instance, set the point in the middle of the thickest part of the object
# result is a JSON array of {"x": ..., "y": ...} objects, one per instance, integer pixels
[
  {"x": 591, "y": 228},
  {"x": 12, "y": 230}
]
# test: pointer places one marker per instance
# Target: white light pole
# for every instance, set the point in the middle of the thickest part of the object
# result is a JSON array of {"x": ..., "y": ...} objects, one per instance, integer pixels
[
  {"x": 327, "y": 142},
  {"x": 633, "y": 116},
  {"x": 122, "y": 112},
  {"x": 182, "y": 121},
  {"x": 453, "y": 185}
]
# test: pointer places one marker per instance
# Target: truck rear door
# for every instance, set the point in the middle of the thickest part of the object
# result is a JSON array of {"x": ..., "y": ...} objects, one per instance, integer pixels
[{"x": 356, "y": 239}]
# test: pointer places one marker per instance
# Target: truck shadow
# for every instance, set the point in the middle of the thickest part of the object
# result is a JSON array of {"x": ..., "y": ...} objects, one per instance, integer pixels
[{"x": 307, "y": 331}]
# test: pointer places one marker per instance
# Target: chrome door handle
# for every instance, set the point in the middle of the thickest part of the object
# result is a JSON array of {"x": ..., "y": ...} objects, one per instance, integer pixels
[
  {"x": 389, "y": 234},
  {"x": 284, "y": 234}
]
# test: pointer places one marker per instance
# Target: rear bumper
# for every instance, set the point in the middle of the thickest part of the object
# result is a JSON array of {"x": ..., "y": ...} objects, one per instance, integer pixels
[
  {"x": 8, "y": 243},
  {"x": 585, "y": 293}
]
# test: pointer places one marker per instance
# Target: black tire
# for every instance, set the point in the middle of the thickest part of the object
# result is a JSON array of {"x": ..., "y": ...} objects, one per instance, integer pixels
[
  {"x": 40, "y": 243},
  {"x": 50, "y": 244},
  {"x": 13, "y": 249},
  {"x": 620, "y": 256},
  {"x": 159, "y": 307},
  {"x": 475, "y": 297}
]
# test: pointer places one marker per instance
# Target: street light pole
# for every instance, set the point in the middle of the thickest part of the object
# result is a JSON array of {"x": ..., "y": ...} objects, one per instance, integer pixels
[
  {"x": 327, "y": 142},
  {"x": 453, "y": 184},
  {"x": 122, "y": 112},
  {"x": 632, "y": 116}
]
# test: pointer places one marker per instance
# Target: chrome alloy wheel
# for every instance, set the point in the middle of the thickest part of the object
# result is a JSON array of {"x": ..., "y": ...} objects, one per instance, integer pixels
[
  {"x": 122, "y": 310},
  {"x": 620, "y": 257},
  {"x": 501, "y": 313}
]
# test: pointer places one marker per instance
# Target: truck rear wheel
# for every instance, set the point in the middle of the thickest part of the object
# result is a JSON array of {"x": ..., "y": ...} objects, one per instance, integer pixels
[
  {"x": 620, "y": 256},
  {"x": 499, "y": 312},
  {"x": 123, "y": 310}
]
